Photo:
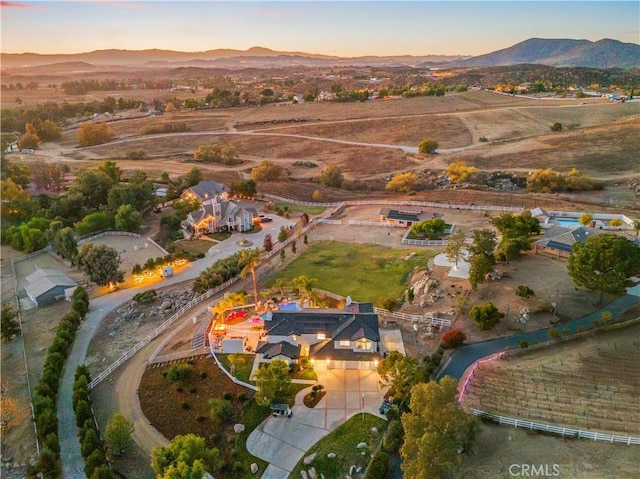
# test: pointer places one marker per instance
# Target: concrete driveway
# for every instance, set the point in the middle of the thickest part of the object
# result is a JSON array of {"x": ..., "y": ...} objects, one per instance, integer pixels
[{"x": 284, "y": 441}]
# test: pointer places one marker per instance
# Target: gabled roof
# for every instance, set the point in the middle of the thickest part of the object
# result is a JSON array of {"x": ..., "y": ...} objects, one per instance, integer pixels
[
  {"x": 327, "y": 350},
  {"x": 44, "y": 280},
  {"x": 283, "y": 348},
  {"x": 560, "y": 238},
  {"x": 208, "y": 189},
  {"x": 336, "y": 324}
]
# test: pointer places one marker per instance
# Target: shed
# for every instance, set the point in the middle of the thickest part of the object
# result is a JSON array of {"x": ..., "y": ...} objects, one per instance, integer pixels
[{"x": 46, "y": 286}]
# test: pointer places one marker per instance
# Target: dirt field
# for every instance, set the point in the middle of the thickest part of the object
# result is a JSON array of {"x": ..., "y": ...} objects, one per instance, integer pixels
[{"x": 499, "y": 447}]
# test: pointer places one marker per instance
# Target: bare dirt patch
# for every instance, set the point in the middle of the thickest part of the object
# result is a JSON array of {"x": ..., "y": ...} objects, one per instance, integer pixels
[{"x": 499, "y": 447}]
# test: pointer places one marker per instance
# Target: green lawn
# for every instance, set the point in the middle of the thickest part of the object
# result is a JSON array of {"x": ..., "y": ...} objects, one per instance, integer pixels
[
  {"x": 343, "y": 442},
  {"x": 243, "y": 370},
  {"x": 367, "y": 273},
  {"x": 193, "y": 246},
  {"x": 252, "y": 417},
  {"x": 220, "y": 236},
  {"x": 310, "y": 210},
  {"x": 306, "y": 374}
]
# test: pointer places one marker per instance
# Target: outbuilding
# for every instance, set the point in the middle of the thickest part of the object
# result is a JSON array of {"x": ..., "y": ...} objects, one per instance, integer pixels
[{"x": 46, "y": 286}]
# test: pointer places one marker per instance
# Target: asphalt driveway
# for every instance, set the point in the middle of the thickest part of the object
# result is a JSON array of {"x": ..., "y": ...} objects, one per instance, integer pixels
[{"x": 284, "y": 441}]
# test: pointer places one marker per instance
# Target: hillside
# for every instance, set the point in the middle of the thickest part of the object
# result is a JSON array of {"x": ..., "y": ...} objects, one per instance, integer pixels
[{"x": 605, "y": 53}]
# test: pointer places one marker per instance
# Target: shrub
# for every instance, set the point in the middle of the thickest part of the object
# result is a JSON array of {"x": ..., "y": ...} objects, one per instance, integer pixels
[
  {"x": 524, "y": 291},
  {"x": 242, "y": 397},
  {"x": 523, "y": 344},
  {"x": 203, "y": 375},
  {"x": 486, "y": 315},
  {"x": 193, "y": 390},
  {"x": 393, "y": 437},
  {"x": 453, "y": 338},
  {"x": 553, "y": 334},
  {"x": 185, "y": 405},
  {"x": 179, "y": 373},
  {"x": 227, "y": 396},
  {"x": 378, "y": 466},
  {"x": 580, "y": 329},
  {"x": 220, "y": 410},
  {"x": 483, "y": 139},
  {"x": 436, "y": 358},
  {"x": 390, "y": 304},
  {"x": 146, "y": 297}
]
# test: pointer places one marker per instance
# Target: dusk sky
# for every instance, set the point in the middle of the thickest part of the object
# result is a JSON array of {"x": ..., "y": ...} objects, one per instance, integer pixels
[{"x": 331, "y": 28}]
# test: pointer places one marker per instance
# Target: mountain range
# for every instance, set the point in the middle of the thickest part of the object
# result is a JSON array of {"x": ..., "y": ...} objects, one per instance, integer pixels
[{"x": 605, "y": 53}]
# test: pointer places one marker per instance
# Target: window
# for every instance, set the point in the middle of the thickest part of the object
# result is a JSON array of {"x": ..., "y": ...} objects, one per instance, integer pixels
[
  {"x": 321, "y": 336},
  {"x": 345, "y": 342},
  {"x": 363, "y": 344}
]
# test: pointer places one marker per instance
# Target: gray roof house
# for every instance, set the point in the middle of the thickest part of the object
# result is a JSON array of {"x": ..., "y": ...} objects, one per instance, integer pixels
[
  {"x": 345, "y": 338},
  {"x": 205, "y": 190},
  {"x": 46, "y": 286},
  {"x": 558, "y": 240},
  {"x": 218, "y": 214}
]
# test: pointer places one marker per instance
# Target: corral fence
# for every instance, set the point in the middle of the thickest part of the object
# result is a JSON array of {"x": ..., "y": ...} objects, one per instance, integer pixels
[
  {"x": 370, "y": 223},
  {"x": 32, "y": 254},
  {"x": 107, "y": 233},
  {"x": 429, "y": 204},
  {"x": 414, "y": 318},
  {"x": 562, "y": 431},
  {"x": 325, "y": 221},
  {"x": 154, "y": 334}
]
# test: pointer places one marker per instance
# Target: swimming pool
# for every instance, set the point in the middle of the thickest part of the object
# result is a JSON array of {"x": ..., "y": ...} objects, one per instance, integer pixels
[
  {"x": 289, "y": 307},
  {"x": 567, "y": 223}
]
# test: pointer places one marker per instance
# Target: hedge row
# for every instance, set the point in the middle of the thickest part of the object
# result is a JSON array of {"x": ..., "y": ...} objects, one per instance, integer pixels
[
  {"x": 46, "y": 391},
  {"x": 378, "y": 466},
  {"x": 91, "y": 445}
]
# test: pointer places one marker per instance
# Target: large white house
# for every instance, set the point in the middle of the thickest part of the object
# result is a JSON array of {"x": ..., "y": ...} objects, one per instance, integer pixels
[{"x": 218, "y": 214}]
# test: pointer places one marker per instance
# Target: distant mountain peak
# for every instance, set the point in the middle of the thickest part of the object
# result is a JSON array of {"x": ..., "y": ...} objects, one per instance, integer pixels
[{"x": 562, "y": 52}]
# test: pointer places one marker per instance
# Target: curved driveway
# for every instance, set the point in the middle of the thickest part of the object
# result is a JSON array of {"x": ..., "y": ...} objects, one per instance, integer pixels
[
  {"x": 465, "y": 356},
  {"x": 70, "y": 457}
]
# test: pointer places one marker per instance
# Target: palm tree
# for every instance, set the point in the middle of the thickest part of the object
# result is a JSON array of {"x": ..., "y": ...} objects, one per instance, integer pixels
[
  {"x": 235, "y": 360},
  {"x": 238, "y": 298},
  {"x": 250, "y": 260},
  {"x": 302, "y": 283},
  {"x": 222, "y": 307},
  {"x": 281, "y": 283}
]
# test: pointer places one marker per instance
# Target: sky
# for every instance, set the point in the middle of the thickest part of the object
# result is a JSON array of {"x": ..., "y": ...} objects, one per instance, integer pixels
[{"x": 342, "y": 28}]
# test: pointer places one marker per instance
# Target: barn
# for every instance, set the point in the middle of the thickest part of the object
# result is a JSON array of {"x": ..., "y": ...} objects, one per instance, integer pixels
[{"x": 46, "y": 286}]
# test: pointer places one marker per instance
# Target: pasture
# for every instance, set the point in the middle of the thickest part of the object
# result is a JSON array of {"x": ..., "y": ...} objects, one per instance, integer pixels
[{"x": 367, "y": 273}]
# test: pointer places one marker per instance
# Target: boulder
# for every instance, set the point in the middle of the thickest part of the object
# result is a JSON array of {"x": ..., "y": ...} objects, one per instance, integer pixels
[
  {"x": 303, "y": 473},
  {"x": 374, "y": 430},
  {"x": 309, "y": 459},
  {"x": 166, "y": 305},
  {"x": 312, "y": 473},
  {"x": 359, "y": 469},
  {"x": 238, "y": 428},
  {"x": 352, "y": 470},
  {"x": 331, "y": 455},
  {"x": 362, "y": 445},
  {"x": 254, "y": 466}
]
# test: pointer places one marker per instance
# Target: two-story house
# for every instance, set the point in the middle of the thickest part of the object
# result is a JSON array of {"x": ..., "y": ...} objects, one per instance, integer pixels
[
  {"x": 205, "y": 190},
  {"x": 218, "y": 214},
  {"x": 340, "y": 338}
]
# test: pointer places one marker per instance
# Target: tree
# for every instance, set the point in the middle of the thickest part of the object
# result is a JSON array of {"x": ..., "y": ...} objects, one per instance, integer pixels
[
  {"x": 235, "y": 360},
  {"x": 14, "y": 200},
  {"x": 398, "y": 372},
  {"x": 402, "y": 182},
  {"x": 604, "y": 263},
  {"x": 193, "y": 177},
  {"x": 19, "y": 174},
  {"x": 304, "y": 219},
  {"x": 186, "y": 457},
  {"x": 482, "y": 256},
  {"x": 332, "y": 177},
  {"x": 267, "y": 243},
  {"x": 208, "y": 153},
  {"x": 267, "y": 171},
  {"x": 118, "y": 434},
  {"x": 127, "y": 219},
  {"x": 585, "y": 219},
  {"x": 91, "y": 134},
  {"x": 111, "y": 169},
  {"x": 305, "y": 284},
  {"x": 48, "y": 131},
  {"x": 427, "y": 146},
  {"x": 249, "y": 261},
  {"x": 459, "y": 171},
  {"x": 514, "y": 226},
  {"x": 94, "y": 223},
  {"x": 294, "y": 247},
  {"x": 434, "y": 429},
  {"x": 479, "y": 266},
  {"x": 454, "y": 248},
  {"x": 94, "y": 186},
  {"x": 556, "y": 127},
  {"x": 486, "y": 315},
  {"x": 29, "y": 139},
  {"x": 48, "y": 175},
  {"x": 283, "y": 234},
  {"x": 101, "y": 264},
  {"x": 433, "y": 228},
  {"x": 10, "y": 325},
  {"x": 65, "y": 243},
  {"x": 248, "y": 188},
  {"x": 180, "y": 373},
  {"x": 274, "y": 383},
  {"x": 317, "y": 196}
]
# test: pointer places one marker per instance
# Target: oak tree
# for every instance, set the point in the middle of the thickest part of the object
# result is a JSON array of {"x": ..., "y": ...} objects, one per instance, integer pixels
[{"x": 101, "y": 264}]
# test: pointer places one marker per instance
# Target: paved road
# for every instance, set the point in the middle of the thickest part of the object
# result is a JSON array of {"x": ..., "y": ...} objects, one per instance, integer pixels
[
  {"x": 70, "y": 456},
  {"x": 465, "y": 356}
]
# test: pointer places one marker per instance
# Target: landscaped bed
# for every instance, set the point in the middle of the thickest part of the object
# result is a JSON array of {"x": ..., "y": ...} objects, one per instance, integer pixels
[
  {"x": 343, "y": 442},
  {"x": 173, "y": 412}
]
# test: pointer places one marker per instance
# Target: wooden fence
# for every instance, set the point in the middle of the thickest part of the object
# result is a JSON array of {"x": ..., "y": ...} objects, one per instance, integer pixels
[
  {"x": 165, "y": 358},
  {"x": 440, "y": 322},
  {"x": 107, "y": 233}
]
